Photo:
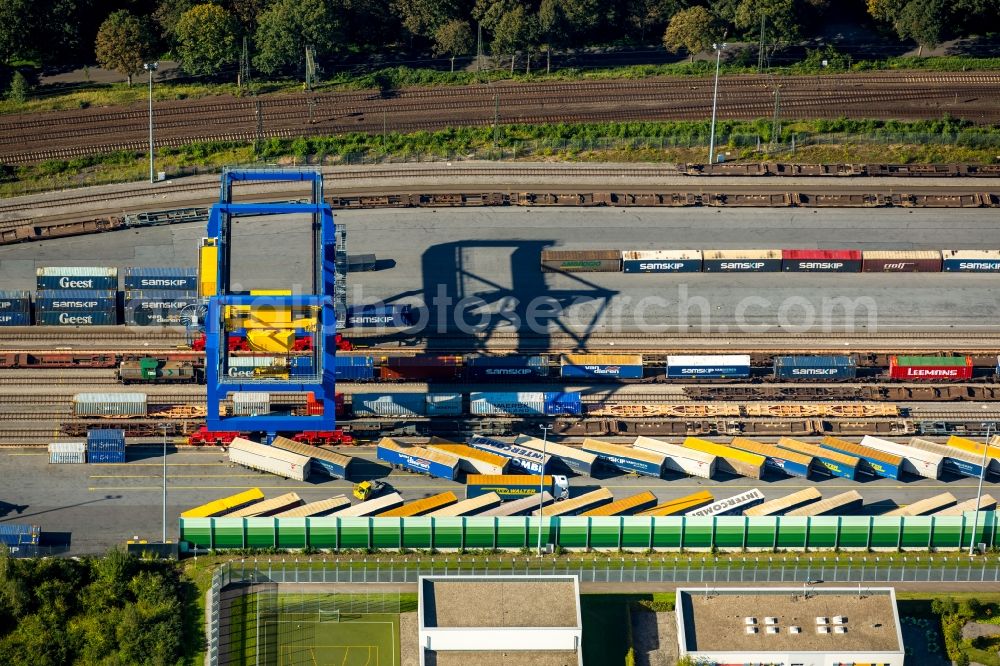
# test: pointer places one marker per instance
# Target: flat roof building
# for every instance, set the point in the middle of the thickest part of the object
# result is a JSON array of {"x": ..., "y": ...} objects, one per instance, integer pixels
[{"x": 794, "y": 626}]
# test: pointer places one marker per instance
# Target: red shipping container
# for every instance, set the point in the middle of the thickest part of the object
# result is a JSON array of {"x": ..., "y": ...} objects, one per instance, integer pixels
[
  {"x": 422, "y": 367},
  {"x": 900, "y": 368},
  {"x": 822, "y": 255}
]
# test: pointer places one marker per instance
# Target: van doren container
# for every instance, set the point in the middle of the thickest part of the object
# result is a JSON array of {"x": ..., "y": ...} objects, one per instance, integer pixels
[
  {"x": 601, "y": 366},
  {"x": 971, "y": 261},
  {"x": 76, "y": 277},
  {"x": 582, "y": 261},
  {"x": 741, "y": 261},
  {"x": 821, "y": 261},
  {"x": 158, "y": 308},
  {"x": 661, "y": 261},
  {"x": 143, "y": 278},
  {"x": 901, "y": 261}
]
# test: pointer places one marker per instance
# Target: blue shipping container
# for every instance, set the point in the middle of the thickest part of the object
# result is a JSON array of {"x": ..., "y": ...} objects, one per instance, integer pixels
[
  {"x": 15, "y": 301},
  {"x": 354, "y": 368},
  {"x": 835, "y": 468},
  {"x": 708, "y": 371},
  {"x": 15, "y": 319},
  {"x": 390, "y": 316},
  {"x": 139, "y": 278},
  {"x": 627, "y": 463},
  {"x": 301, "y": 366},
  {"x": 872, "y": 464},
  {"x": 417, "y": 464},
  {"x": 789, "y": 467},
  {"x": 815, "y": 367},
  {"x": 77, "y": 318},
  {"x": 528, "y": 461},
  {"x": 389, "y": 404},
  {"x": 74, "y": 282},
  {"x": 492, "y": 367},
  {"x": 964, "y": 467},
  {"x": 61, "y": 299},
  {"x": 159, "y": 308},
  {"x": 970, "y": 263},
  {"x": 19, "y": 534},
  {"x": 444, "y": 404},
  {"x": 563, "y": 403},
  {"x": 105, "y": 446},
  {"x": 602, "y": 370}
]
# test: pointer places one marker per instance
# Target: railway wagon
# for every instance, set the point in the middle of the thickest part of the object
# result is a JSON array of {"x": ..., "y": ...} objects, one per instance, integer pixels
[
  {"x": 581, "y": 261},
  {"x": 522, "y": 458},
  {"x": 224, "y": 505},
  {"x": 730, "y": 506},
  {"x": 776, "y": 458},
  {"x": 418, "y": 459},
  {"x": 573, "y": 459},
  {"x": 930, "y": 368},
  {"x": 929, "y": 505},
  {"x": 371, "y": 507},
  {"x": 838, "y": 504},
  {"x": 986, "y": 503},
  {"x": 915, "y": 461},
  {"x": 956, "y": 460},
  {"x": 472, "y": 506},
  {"x": 486, "y": 368},
  {"x": 577, "y": 505},
  {"x": 724, "y": 366},
  {"x": 680, "y": 459},
  {"x": 471, "y": 460},
  {"x": 421, "y": 506},
  {"x": 626, "y": 458},
  {"x": 269, "y": 459},
  {"x": 268, "y": 507},
  {"x": 151, "y": 370},
  {"x": 333, "y": 464},
  {"x": 873, "y": 461},
  {"x": 830, "y": 462},
  {"x": 519, "y": 506},
  {"x": 777, "y": 507},
  {"x": 626, "y": 506},
  {"x": 729, "y": 459},
  {"x": 319, "y": 508},
  {"x": 524, "y": 403},
  {"x": 680, "y": 505}
]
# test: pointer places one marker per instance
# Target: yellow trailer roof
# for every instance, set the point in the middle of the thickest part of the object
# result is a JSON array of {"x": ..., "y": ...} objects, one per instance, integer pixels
[
  {"x": 220, "y": 506},
  {"x": 419, "y": 451},
  {"x": 623, "y": 505},
  {"x": 770, "y": 450},
  {"x": 420, "y": 506},
  {"x": 503, "y": 479},
  {"x": 723, "y": 451},
  {"x": 679, "y": 505},
  {"x": 859, "y": 450},
  {"x": 817, "y": 451},
  {"x": 464, "y": 451},
  {"x": 966, "y": 444}
]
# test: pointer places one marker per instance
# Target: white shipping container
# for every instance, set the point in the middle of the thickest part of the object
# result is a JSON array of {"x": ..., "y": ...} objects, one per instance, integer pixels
[
  {"x": 661, "y": 255},
  {"x": 719, "y": 360},
  {"x": 252, "y": 361},
  {"x": 680, "y": 458},
  {"x": 251, "y": 403},
  {"x": 76, "y": 271},
  {"x": 372, "y": 506},
  {"x": 915, "y": 461},
  {"x": 269, "y": 459},
  {"x": 109, "y": 404},
  {"x": 68, "y": 452}
]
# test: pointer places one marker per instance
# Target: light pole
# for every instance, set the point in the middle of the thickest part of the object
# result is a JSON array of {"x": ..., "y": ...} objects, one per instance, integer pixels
[
  {"x": 979, "y": 493},
  {"x": 151, "y": 67},
  {"x": 541, "y": 485},
  {"x": 164, "y": 429},
  {"x": 715, "y": 99}
]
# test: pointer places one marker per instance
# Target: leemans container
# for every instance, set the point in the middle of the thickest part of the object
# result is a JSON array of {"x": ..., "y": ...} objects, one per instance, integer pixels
[
  {"x": 582, "y": 261},
  {"x": 334, "y": 465},
  {"x": 573, "y": 458},
  {"x": 522, "y": 458},
  {"x": 418, "y": 459},
  {"x": 822, "y": 368},
  {"x": 661, "y": 261},
  {"x": 601, "y": 366},
  {"x": 354, "y": 368},
  {"x": 67, "y": 452},
  {"x": 141, "y": 278},
  {"x": 822, "y": 261},
  {"x": 269, "y": 459},
  {"x": 874, "y": 461},
  {"x": 726, "y": 366},
  {"x": 471, "y": 460},
  {"x": 971, "y": 261},
  {"x": 501, "y": 367},
  {"x": 105, "y": 446},
  {"x": 742, "y": 261},
  {"x": 776, "y": 458},
  {"x": 384, "y": 316},
  {"x": 680, "y": 459},
  {"x": 910, "y": 368},
  {"x": 830, "y": 462},
  {"x": 76, "y": 277},
  {"x": 389, "y": 404},
  {"x": 729, "y": 459},
  {"x": 730, "y": 506},
  {"x": 109, "y": 404},
  {"x": 627, "y": 458},
  {"x": 901, "y": 261}
]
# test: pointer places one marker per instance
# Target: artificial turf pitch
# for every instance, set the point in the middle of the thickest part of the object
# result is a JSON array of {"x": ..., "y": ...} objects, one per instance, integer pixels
[{"x": 359, "y": 639}]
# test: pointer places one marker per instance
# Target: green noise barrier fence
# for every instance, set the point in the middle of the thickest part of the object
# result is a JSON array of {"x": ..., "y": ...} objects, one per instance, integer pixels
[{"x": 602, "y": 533}]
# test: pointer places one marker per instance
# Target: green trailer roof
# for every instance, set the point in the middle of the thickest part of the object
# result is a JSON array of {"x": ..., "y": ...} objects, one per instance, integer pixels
[{"x": 931, "y": 360}]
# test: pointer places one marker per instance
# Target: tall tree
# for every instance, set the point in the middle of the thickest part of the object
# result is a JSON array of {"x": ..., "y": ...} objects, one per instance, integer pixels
[
  {"x": 650, "y": 15},
  {"x": 424, "y": 17},
  {"x": 16, "y": 29},
  {"x": 691, "y": 29},
  {"x": 206, "y": 39},
  {"x": 122, "y": 43},
  {"x": 168, "y": 13},
  {"x": 924, "y": 21},
  {"x": 511, "y": 32},
  {"x": 452, "y": 39},
  {"x": 288, "y": 26},
  {"x": 247, "y": 13},
  {"x": 780, "y": 21}
]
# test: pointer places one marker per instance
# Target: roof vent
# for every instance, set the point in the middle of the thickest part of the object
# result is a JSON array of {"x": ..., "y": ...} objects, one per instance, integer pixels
[
  {"x": 839, "y": 619},
  {"x": 822, "y": 630},
  {"x": 773, "y": 630},
  {"x": 770, "y": 620},
  {"x": 840, "y": 630},
  {"x": 749, "y": 621},
  {"x": 751, "y": 630},
  {"x": 822, "y": 620},
  {"x": 795, "y": 630}
]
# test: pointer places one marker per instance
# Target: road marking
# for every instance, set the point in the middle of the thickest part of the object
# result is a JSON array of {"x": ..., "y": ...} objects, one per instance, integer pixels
[{"x": 174, "y": 476}]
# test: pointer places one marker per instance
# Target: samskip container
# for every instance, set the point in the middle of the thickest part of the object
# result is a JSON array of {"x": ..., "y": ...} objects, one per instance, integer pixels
[
  {"x": 375, "y": 316},
  {"x": 823, "y": 261},
  {"x": 12, "y": 302},
  {"x": 159, "y": 308},
  {"x": 76, "y": 277},
  {"x": 19, "y": 534},
  {"x": 502, "y": 367},
  {"x": 62, "y": 300},
  {"x": 741, "y": 261},
  {"x": 105, "y": 446},
  {"x": 627, "y": 458},
  {"x": 582, "y": 261},
  {"x": 726, "y": 366},
  {"x": 67, "y": 452},
  {"x": 557, "y": 404},
  {"x": 901, "y": 261},
  {"x": 971, "y": 261},
  {"x": 661, "y": 261},
  {"x": 815, "y": 367},
  {"x": 15, "y": 319},
  {"x": 140, "y": 278},
  {"x": 109, "y": 404}
]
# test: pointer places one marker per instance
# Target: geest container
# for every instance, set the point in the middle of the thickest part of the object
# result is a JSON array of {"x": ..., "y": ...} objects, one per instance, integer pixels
[
  {"x": 422, "y": 367},
  {"x": 661, "y": 261},
  {"x": 109, "y": 404},
  {"x": 12, "y": 302},
  {"x": 77, "y": 317},
  {"x": 582, "y": 261},
  {"x": 627, "y": 458},
  {"x": 971, "y": 261},
  {"x": 143, "y": 278},
  {"x": 418, "y": 459},
  {"x": 815, "y": 367},
  {"x": 601, "y": 366},
  {"x": 62, "y": 300},
  {"x": 821, "y": 261},
  {"x": 105, "y": 446},
  {"x": 269, "y": 459},
  {"x": 522, "y": 459},
  {"x": 67, "y": 452},
  {"x": 741, "y": 261},
  {"x": 901, "y": 261},
  {"x": 726, "y": 366},
  {"x": 389, "y": 404},
  {"x": 909, "y": 368},
  {"x": 354, "y": 368},
  {"x": 76, "y": 277},
  {"x": 387, "y": 316},
  {"x": 499, "y": 367},
  {"x": 878, "y": 463}
]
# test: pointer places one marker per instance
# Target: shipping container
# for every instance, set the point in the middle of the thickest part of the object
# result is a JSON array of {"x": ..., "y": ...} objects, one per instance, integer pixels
[
  {"x": 15, "y": 535},
  {"x": 516, "y": 486},
  {"x": 823, "y": 368},
  {"x": 522, "y": 459},
  {"x": 371, "y": 507},
  {"x": 417, "y": 459},
  {"x": 357, "y": 263},
  {"x": 661, "y": 261},
  {"x": 873, "y": 461},
  {"x": 421, "y": 506},
  {"x": 727, "y": 366},
  {"x": 680, "y": 459},
  {"x": 63, "y": 300},
  {"x": 109, "y": 404},
  {"x": 626, "y": 458},
  {"x": 471, "y": 460},
  {"x": 601, "y": 366},
  {"x": 957, "y": 461},
  {"x": 524, "y": 403},
  {"x": 389, "y": 404},
  {"x": 742, "y": 261},
  {"x": 578, "y": 504},
  {"x": 268, "y": 507},
  {"x": 143, "y": 278},
  {"x": 251, "y": 403},
  {"x": 582, "y": 261},
  {"x": 977, "y": 448},
  {"x": 822, "y": 261},
  {"x": 313, "y": 509},
  {"x": 776, "y": 458},
  {"x": 478, "y": 368},
  {"x": 828, "y": 461},
  {"x": 473, "y": 506},
  {"x": 971, "y": 261},
  {"x": 986, "y": 503},
  {"x": 223, "y": 506},
  {"x": 159, "y": 308},
  {"x": 924, "y": 507},
  {"x": 572, "y": 458},
  {"x": 380, "y": 316},
  {"x": 777, "y": 507},
  {"x": 105, "y": 445},
  {"x": 334, "y": 465},
  {"x": 914, "y": 461},
  {"x": 12, "y": 302},
  {"x": 519, "y": 506},
  {"x": 77, "y": 317},
  {"x": 562, "y": 404},
  {"x": 76, "y": 277},
  {"x": 444, "y": 404},
  {"x": 354, "y": 368},
  {"x": 901, "y": 261},
  {"x": 844, "y": 503},
  {"x": 910, "y": 368},
  {"x": 728, "y": 459},
  {"x": 627, "y": 506},
  {"x": 18, "y": 318},
  {"x": 730, "y": 506},
  {"x": 269, "y": 459},
  {"x": 68, "y": 453},
  {"x": 422, "y": 367},
  {"x": 679, "y": 505}
]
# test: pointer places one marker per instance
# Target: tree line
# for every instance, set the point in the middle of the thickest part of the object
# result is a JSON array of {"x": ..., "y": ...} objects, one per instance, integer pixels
[{"x": 208, "y": 36}]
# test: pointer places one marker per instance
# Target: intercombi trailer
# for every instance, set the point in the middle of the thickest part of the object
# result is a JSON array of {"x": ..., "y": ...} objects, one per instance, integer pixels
[
  {"x": 574, "y": 459},
  {"x": 730, "y": 506},
  {"x": 680, "y": 505}
]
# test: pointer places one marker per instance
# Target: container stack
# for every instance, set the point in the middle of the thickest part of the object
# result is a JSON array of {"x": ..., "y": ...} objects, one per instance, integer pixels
[
  {"x": 105, "y": 446},
  {"x": 76, "y": 296},
  {"x": 15, "y": 308},
  {"x": 159, "y": 296},
  {"x": 67, "y": 453}
]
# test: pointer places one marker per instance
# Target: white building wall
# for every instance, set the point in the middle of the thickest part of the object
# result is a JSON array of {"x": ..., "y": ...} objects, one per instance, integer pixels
[
  {"x": 799, "y": 658},
  {"x": 520, "y": 638}
]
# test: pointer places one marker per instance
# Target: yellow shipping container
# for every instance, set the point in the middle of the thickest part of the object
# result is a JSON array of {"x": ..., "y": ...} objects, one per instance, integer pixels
[
  {"x": 420, "y": 506},
  {"x": 208, "y": 270},
  {"x": 680, "y": 505},
  {"x": 627, "y": 505},
  {"x": 729, "y": 459}
]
